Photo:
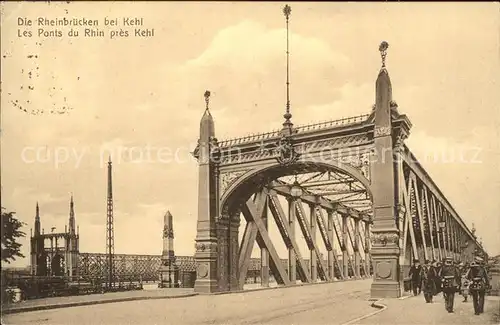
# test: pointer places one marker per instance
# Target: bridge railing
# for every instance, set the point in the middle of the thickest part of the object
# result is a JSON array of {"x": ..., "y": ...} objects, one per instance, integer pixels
[
  {"x": 302, "y": 128},
  {"x": 333, "y": 123},
  {"x": 33, "y": 287}
]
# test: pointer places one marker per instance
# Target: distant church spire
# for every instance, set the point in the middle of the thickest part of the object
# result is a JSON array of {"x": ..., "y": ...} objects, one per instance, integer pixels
[
  {"x": 71, "y": 216},
  {"x": 37, "y": 220},
  {"x": 287, "y": 125}
]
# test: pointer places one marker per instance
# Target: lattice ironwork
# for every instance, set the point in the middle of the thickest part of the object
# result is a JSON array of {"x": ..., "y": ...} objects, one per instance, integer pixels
[{"x": 138, "y": 267}]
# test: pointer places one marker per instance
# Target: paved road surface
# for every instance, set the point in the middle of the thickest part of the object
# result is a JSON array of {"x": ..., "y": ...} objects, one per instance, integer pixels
[
  {"x": 414, "y": 310},
  {"x": 110, "y": 296},
  {"x": 334, "y": 303}
]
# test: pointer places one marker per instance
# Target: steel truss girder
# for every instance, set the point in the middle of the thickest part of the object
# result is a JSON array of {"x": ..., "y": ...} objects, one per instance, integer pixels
[
  {"x": 306, "y": 228},
  {"x": 412, "y": 164},
  {"x": 283, "y": 189},
  {"x": 329, "y": 238},
  {"x": 423, "y": 208},
  {"x": 250, "y": 212},
  {"x": 249, "y": 237},
  {"x": 280, "y": 218},
  {"x": 253, "y": 231}
]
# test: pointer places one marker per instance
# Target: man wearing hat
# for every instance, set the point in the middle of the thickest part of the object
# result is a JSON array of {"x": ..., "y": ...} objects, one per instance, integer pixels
[
  {"x": 428, "y": 281},
  {"x": 479, "y": 283},
  {"x": 437, "y": 279},
  {"x": 415, "y": 275},
  {"x": 450, "y": 279}
]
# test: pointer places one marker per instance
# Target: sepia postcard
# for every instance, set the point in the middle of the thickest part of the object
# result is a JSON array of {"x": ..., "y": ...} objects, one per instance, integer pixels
[{"x": 250, "y": 162}]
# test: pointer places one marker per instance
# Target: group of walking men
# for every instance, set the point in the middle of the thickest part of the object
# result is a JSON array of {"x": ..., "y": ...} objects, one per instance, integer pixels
[{"x": 451, "y": 277}]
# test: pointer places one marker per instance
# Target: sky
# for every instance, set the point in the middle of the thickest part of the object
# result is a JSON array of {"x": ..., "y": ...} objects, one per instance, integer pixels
[{"x": 100, "y": 95}]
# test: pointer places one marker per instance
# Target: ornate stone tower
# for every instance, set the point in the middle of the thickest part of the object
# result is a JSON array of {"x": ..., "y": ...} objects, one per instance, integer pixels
[
  {"x": 388, "y": 210},
  {"x": 206, "y": 238},
  {"x": 169, "y": 273}
]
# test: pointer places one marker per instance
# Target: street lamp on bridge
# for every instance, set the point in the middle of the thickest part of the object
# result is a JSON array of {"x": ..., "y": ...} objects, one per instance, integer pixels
[
  {"x": 296, "y": 190},
  {"x": 442, "y": 225}
]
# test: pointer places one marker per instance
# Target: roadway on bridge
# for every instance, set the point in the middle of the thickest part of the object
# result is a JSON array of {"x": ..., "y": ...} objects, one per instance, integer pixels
[
  {"x": 415, "y": 311},
  {"x": 332, "y": 303}
]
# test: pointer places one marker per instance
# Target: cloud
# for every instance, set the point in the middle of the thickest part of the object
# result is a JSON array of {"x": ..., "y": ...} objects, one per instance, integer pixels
[
  {"x": 252, "y": 45},
  {"x": 31, "y": 194},
  {"x": 249, "y": 61}
]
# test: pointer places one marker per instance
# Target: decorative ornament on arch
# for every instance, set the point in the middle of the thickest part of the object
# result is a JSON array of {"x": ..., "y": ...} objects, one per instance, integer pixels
[
  {"x": 261, "y": 153},
  {"x": 286, "y": 153},
  {"x": 381, "y": 131},
  {"x": 359, "y": 161},
  {"x": 228, "y": 178},
  {"x": 335, "y": 143},
  {"x": 215, "y": 151},
  {"x": 394, "y": 106},
  {"x": 399, "y": 145}
]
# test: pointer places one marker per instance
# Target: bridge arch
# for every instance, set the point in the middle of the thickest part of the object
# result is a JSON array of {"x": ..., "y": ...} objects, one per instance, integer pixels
[
  {"x": 244, "y": 186},
  {"x": 265, "y": 181}
]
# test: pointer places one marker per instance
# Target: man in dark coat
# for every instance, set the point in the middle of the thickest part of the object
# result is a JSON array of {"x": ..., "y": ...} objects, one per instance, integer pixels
[
  {"x": 415, "y": 276},
  {"x": 479, "y": 283},
  {"x": 450, "y": 279},
  {"x": 437, "y": 279},
  {"x": 428, "y": 281}
]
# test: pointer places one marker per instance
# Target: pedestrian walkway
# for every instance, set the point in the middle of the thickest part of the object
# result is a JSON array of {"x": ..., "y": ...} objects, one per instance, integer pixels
[
  {"x": 85, "y": 300},
  {"x": 414, "y": 310}
]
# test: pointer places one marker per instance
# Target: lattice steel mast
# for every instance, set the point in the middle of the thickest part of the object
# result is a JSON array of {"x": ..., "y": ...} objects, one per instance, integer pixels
[{"x": 110, "y": 237}]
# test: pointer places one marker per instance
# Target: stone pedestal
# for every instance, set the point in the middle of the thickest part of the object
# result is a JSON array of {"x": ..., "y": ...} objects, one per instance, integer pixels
[
  {"x": 168, "y": 272},
  {"x": 385, "y": 255},
  {"x": 206, "y": 270}
]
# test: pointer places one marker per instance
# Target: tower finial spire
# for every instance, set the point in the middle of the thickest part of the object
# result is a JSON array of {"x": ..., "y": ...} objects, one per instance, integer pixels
[
  {"x": 287, "y": 124},
  {"x": 383, "y": 51},
  {"x": 37, "y": 220},
  {"x": 71, "y": 215},
  {"x": 207, "y": 98}
]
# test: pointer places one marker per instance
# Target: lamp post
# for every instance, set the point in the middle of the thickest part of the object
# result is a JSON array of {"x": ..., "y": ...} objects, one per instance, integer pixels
[
  {"x": 463, "y": 247},
  {"x": 296, "y": 190},
  {"x": 442, "y": 225}
]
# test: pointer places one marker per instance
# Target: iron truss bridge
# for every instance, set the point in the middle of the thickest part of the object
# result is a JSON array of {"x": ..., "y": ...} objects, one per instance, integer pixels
[{"x": 348, "y": 199}]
